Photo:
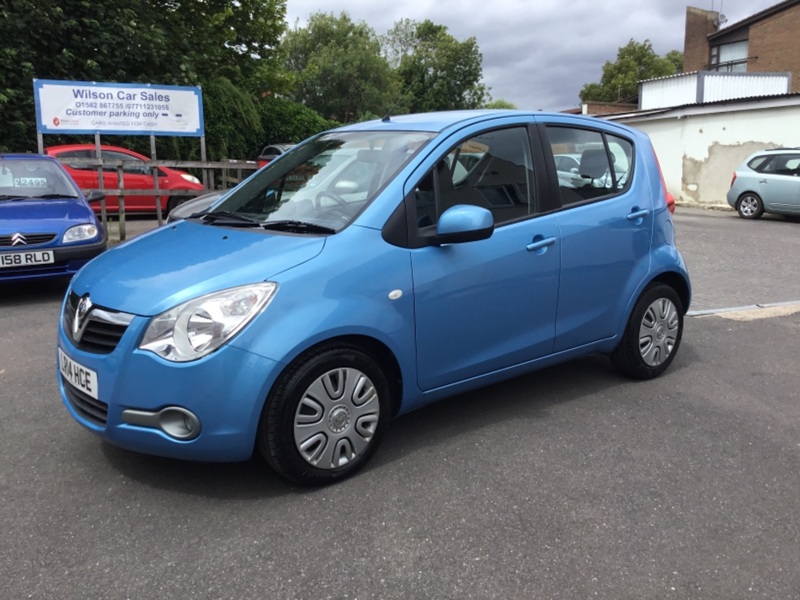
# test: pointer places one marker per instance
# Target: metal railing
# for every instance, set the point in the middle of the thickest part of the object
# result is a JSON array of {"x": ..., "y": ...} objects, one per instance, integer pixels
[{"x": 216, "y": 175}]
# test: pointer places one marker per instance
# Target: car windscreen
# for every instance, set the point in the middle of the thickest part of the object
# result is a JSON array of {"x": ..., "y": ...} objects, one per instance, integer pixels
[
  {"x": 34, "y": 178},
  {"x": 326, "y": 181}
]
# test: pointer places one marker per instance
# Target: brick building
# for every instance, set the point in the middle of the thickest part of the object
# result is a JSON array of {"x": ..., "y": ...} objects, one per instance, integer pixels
[{"x": 762, "y": 43}]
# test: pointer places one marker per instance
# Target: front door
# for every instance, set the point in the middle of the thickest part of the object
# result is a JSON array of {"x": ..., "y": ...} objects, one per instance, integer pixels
[{"x": 487, "y": 305}]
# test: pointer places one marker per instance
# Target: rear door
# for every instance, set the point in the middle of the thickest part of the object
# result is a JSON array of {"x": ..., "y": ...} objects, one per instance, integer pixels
[{"x": 606, "y": 225}]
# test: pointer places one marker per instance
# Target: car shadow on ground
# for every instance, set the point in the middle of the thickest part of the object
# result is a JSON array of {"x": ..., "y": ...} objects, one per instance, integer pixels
[
  {"x": 525, "y": 397},
  {"x": 35, "y": 291}
]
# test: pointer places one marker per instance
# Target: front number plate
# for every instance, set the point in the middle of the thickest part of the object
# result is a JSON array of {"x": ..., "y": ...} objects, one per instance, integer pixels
[
  {"x": 23, "y": 259},
  {"x": 79, "y": 376}
]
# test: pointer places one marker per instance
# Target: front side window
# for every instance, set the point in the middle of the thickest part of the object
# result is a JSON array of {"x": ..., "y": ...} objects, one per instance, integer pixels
[
  {"x": 493, "y": 170},
  {"x": 325, "y": 182},
  {"x": 589, "y": 164},
  {"x": 130, "y": 164}
]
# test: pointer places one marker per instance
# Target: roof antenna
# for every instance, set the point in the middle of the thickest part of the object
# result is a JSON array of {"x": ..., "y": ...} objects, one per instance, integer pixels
[{"x": 387, "y": 117}]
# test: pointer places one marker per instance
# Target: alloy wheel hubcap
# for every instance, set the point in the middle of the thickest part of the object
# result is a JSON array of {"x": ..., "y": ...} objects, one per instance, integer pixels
[
  {"x": 658, "y": 332},
  {"x": 336, "y": 418},
  {"x": 749, "y": 206}
]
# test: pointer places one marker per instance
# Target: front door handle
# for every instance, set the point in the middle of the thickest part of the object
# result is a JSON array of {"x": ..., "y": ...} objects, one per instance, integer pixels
[{"x": 540, "y": 244}]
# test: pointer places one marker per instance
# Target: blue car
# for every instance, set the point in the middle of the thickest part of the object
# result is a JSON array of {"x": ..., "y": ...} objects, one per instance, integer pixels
[
  {"x": 46, "y": 226},
  {"x": 370, "y": 271}
]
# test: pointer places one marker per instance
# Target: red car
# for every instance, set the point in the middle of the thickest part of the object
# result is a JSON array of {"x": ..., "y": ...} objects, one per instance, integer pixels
[{"x": 136, "y": 176}]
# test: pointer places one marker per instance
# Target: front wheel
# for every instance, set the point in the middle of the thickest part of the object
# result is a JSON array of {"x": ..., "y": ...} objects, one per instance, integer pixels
[
  {"x": 750, "y": 206},
  {"x": 652, "y": 335},
  {"x": 325, "y": 416}
]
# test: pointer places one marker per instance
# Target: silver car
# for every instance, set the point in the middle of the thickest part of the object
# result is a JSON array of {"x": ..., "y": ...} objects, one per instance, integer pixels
[{"x": 768, "y": 181}]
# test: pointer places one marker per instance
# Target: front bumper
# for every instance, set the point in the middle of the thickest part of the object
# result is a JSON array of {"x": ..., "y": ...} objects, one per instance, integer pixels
[
  {"x": 225, "y": 391},
  {"x": 68, "y": 260}
]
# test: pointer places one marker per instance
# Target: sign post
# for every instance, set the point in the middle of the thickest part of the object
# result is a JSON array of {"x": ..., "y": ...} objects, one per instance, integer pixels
[{"x": 88, "y": 107}]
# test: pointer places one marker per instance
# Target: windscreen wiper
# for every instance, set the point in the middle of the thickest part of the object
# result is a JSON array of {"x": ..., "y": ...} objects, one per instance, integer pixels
[
  {"x": 297, "y": 227},
  {"x": 230, "y": 219},
  {"x": 53, "y": 196},
  {"x": 8, "y": 197}
]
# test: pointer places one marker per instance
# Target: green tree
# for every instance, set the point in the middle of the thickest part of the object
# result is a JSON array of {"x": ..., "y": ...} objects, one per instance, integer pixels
[
  {"x": 338, "y": 69},
  {"x": 635, "y": 62},
  {"x": 286, "y": 121},
  {"x": 438, "y": 71},
  {"x": 500, "y": 103},
  {"x": 182, "y": 42}
]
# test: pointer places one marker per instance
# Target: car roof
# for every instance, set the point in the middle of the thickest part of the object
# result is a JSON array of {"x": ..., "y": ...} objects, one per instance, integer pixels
[
  {"x": 67, "y": 147},
  {"x": 441, "y": 121},
  {"x": 20, "y": 156},
  {"x": 281, "y": 147}
]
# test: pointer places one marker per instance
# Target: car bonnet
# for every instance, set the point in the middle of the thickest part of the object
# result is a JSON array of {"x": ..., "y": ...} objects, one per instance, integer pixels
[
  {"x": 43, "y": 215},
  {"x": 174, "y": 264}
]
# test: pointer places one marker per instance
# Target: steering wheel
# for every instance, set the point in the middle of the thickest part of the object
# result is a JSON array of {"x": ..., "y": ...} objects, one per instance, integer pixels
[{"x": 333, "y": 196}]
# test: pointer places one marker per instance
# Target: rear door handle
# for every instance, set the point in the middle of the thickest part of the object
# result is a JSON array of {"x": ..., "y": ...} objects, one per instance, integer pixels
[{"x": 637, "y": 215}]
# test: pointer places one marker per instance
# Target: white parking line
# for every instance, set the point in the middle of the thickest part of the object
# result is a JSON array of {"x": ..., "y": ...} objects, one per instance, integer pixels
[{"x": 751, "y": 312}]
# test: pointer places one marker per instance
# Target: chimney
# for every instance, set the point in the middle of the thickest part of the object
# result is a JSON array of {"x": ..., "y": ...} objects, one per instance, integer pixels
[{"x": 699, "y": 24}]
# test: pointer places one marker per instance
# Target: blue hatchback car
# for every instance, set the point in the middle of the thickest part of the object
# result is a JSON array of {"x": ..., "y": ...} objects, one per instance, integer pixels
[
  {"x": 46, "y": 226},
  {"x": 367, "y": 272}
]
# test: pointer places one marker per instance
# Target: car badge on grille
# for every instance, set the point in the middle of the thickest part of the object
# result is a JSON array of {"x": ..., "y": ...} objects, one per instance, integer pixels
[
  {"x": 81, "y": 313},
  {"x": 18, "y": 240}
]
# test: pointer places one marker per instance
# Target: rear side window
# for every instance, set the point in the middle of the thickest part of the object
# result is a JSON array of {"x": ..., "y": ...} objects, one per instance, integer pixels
[
  {"x": 777, "y": 164},
  {"x": 589, "y": 164}
]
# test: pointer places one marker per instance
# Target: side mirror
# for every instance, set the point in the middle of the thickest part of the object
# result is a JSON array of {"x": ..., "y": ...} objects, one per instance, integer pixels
[
  {"x": 464, "y": 223},
  {"x": 95, "y": 196}
]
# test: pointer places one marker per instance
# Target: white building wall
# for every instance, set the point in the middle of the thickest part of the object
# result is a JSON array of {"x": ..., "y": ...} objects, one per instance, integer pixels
[
  {"x": 698, "y": 152},
  {"x": 724, "y": 87},
  {"x": 709, "y": 86},
  {"x": 668, "y": 91}
]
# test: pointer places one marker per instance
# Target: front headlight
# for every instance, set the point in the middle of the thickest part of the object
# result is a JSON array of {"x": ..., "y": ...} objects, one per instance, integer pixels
[
  {"x": 198, "y": 327},
  {"x": 79, "y": 233},
  {"x": 191, "y": 178}
]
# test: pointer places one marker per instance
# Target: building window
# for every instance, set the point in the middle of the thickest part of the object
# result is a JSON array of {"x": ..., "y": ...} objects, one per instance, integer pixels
[{"x": 729, "y": 57}]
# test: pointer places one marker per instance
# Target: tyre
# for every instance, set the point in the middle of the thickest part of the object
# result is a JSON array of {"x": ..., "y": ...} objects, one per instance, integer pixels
[
  {"x": 652, "y": 335},
  {"x": 750, "y": 206},
  {"x": 325, "y": 416}
]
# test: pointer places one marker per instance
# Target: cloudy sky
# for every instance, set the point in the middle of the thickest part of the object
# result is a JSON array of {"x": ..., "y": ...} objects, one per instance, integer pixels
[{"x": 538, "y": 54}]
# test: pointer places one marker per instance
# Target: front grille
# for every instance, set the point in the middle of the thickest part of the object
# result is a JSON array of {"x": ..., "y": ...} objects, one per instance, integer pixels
[
  {"x": 87, "y": 407},
  {"x": 31, "y": 239},
  {"x": 103, "y": 330}
]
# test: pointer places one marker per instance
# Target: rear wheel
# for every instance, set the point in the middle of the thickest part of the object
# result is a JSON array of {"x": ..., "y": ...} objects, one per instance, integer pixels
[
  {"x": 326, "y": 415},
  {"x": 652, "y": 335},
  {"x": 750, "y": 206}
]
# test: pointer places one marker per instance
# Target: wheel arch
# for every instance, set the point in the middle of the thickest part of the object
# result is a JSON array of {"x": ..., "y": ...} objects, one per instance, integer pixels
[
  {"x": 373, "y": 347},
  {"x": 678, "y": 283}
]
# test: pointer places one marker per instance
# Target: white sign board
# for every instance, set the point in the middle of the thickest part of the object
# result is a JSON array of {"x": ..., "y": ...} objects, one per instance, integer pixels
[{"x": 118, "y": 108}]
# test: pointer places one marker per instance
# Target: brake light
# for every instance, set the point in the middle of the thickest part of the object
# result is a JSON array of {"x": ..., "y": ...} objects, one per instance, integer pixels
[
  {"x": 733, "y": 179},
  {"x": 668, "y": 198}
]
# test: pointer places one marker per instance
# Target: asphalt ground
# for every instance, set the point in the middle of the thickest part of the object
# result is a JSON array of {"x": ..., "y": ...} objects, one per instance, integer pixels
[{"x": 571, "y": 482}]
